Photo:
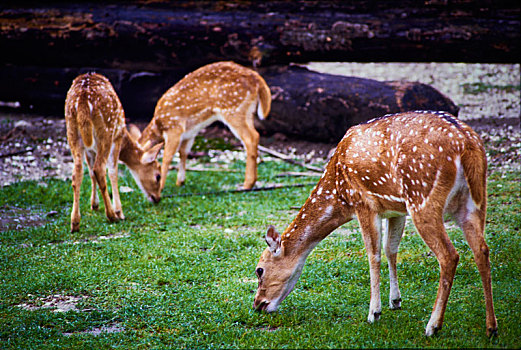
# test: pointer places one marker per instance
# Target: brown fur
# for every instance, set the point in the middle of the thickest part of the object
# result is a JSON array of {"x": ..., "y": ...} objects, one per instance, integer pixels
[
  {"x": 222, "y": 91},
  {"x": 96, "y": 130},
  {"x": 423, "y": 163}
]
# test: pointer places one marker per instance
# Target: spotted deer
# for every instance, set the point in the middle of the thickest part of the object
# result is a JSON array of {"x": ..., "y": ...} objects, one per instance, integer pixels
[
  {"x": 423, "y": 163},
  {"x": 96, "y": 130},
  {"x": 223, "y": 91}
]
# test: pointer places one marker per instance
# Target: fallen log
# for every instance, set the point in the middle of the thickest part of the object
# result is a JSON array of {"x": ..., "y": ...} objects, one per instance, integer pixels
[
  {"x": 321, "y": 107},
  {"x": 305, "y": 104}
]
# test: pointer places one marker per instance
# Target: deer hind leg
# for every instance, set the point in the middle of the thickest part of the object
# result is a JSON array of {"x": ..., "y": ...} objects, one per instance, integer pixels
[
  {"x": 246, "y": 132},
  {"x": 392, "y": 237},
  {"x": 113, "y": 176},
  {"x": 100, "y": 173},
  {"x": 429, "y": 223},
  {"x": 371, "y": 225},
  {"x": 184, "y": 149},
  {"x": 472, "y": 222},
  {"x": 94, "y": 199},
  {"x": 77, "y": 151},
  {"x": 172, "y": 139},
  {"x": 77, "y": 179}
]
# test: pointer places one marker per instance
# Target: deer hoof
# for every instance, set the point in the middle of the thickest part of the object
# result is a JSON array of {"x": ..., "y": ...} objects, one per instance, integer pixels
[
  {"x": 396, "y": 304},
  {"x": 75, "y": 226},
  {"x": 430, "y": 331},
  {"x": 119, "y": 215},
  {"x": 94, "y": 207},
  {"x": 373, "y": 317},
  {"x": 248, "y": 186},
  {"x": 112, "y": 218},
  {"x": 491, "y": 332}
]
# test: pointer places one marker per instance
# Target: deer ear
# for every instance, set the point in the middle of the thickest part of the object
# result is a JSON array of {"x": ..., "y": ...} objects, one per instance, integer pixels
[
  {"x": 134, "y": 132},
  {"x": 274, "y": 241},
  {"x": 151, "y": 154}
]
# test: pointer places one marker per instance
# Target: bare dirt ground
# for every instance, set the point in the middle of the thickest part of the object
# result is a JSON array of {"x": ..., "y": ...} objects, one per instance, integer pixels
[{"x": 35, "y": 147}]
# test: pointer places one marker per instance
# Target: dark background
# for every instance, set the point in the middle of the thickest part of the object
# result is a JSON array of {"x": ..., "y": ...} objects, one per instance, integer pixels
[{"x": 144, "y": 47}]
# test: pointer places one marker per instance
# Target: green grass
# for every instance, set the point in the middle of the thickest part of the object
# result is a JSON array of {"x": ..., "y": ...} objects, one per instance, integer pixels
[{"x": 180, "y": 274}]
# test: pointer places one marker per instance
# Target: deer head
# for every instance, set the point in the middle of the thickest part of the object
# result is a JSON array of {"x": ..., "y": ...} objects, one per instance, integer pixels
[
  {"x": 277, "y": 271},
  {"x": 146, "y": 171}
]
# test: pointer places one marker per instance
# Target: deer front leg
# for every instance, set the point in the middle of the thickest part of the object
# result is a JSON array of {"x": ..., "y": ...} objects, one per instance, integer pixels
[
  {"x": 172, "y": 139},
  {"x": 113, "y": 176},
  {"x": 392, "y": 237},
  {"x": 429, "y": 224},
  {"x": 184, "y": 149},
  {"x": 371, "y": 225},
  {"x": 99, "y": 170}
]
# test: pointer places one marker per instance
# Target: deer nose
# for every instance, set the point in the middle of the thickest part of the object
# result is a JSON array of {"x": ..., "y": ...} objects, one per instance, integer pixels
[
  {"x": 260, "y": 305},
  {"x": 155, "y": 199}
]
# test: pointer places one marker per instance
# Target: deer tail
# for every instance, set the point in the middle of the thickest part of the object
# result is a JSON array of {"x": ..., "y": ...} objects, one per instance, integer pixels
[
  {"x": 474, "y": 163},
  {"x": 264, "y": 105},
  {"x": 84, "y": 118}
]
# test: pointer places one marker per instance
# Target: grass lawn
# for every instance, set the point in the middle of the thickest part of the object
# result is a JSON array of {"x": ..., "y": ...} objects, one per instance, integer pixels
[{"x": 180, "y": 274}]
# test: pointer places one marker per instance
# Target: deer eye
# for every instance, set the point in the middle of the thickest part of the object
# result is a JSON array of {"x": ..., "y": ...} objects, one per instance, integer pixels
[
  {"x": 158, "y": 177},
  {"x": 259, "y": 271}
]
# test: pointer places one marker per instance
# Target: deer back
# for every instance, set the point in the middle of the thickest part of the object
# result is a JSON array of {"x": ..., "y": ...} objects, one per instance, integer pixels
[
  {"x": 223, "y": 87},
  {"x": 94, "y": 108},
  {"x": 395, "y": 161}
]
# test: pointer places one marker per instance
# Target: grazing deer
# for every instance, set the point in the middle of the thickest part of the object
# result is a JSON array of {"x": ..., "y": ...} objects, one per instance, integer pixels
[
  {"x": 423, "y": 163},
  {"x": 222, "y": 91},
  {"x": 96, "y": 129}
]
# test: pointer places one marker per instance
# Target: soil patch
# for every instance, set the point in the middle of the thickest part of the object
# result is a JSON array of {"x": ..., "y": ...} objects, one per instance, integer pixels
[
  {"x": 56, "y": 302},
  {"x": 14, "y": 218}
]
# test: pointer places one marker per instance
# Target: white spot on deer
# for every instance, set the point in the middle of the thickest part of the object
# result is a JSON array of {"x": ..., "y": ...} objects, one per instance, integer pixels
[{"x": 327, "y": 214}]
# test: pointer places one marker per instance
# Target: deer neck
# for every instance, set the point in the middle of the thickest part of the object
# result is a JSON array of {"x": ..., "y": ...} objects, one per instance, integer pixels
[
  {"x": 323, "y": 212},
  {"x": 130, "y": 153},
  {"x": 151, "y": 134}
]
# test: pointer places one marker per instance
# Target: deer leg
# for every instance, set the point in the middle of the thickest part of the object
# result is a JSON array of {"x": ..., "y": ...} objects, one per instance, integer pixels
[
  {"x": 429, "y": 224},
  {"x": 371, "y": 225},
  {"x": 184, "y": 149},
  {"x": 94, "y": 199},
  {"x": 113, "y": 176},
  {"x": 172, "y": 139},
  {"x": 250, "y": 139},
  {"x": 77, "y": 179},
  {"x": 100, "y": 165},
  {"x": 392, "y": 237},
  {"x": 77, "y": 152},
  {"x": 473, "y": 223}
]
